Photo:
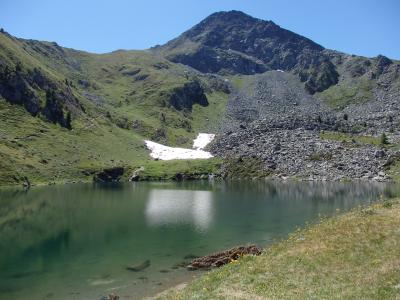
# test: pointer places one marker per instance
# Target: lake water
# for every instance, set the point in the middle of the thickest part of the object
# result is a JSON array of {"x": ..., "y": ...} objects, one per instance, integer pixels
[{"x": 76, "y": 241}]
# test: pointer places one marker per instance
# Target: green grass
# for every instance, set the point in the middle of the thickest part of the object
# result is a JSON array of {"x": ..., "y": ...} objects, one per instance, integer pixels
[
  {"x": 350, "y": 138},
  {"x": 238, "y": 81},
  {"x": 167, "y": 170},
  {"x": 350, "y": 256},
  {"x": 244, "y": 168},
  {"x": 132, "y": 88},
  {"x": 348, "y": 92},
  {"x": 44, "y": 152}
]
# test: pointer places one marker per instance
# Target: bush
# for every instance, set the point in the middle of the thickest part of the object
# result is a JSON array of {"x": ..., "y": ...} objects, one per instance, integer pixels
[
  {"x": 384, "y": 140},
  {"x": 68, "y": 121}
]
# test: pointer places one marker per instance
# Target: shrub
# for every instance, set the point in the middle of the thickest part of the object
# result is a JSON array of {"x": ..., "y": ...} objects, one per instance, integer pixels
[
  {"x": 68, "y": 121},
  {"x": 384, "y": 140}
]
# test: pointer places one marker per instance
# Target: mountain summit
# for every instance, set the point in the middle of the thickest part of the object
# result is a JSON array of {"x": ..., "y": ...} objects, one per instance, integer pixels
[{"x": 235, "y": 43}]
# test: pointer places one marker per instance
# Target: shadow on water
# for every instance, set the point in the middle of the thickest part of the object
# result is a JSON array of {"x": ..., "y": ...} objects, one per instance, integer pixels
[{"x": 82, "y": 239}]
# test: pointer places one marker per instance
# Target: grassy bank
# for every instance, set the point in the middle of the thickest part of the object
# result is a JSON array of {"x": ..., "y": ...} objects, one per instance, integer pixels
[
  {"x": 169, "y": 169},
  {"x": 351, "y": 256}
]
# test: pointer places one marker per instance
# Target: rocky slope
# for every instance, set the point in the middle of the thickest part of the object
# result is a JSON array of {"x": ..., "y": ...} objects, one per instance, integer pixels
[
  {"x": 275, "y": 98},
  {"x": 297, "y": 152},
  {"x": 276, "y": 117},
  {"x": 276, "y": 123}
]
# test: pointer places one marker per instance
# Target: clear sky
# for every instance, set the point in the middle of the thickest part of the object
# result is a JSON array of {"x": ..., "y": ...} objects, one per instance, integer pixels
[{"x": 363, "y": 27}]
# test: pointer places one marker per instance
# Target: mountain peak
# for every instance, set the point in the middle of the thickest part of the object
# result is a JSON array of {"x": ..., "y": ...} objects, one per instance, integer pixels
[
  {"x": 230, "y": 22},
  {"x": 233, "y": 42},
  {"x": 231, "y": 15}
]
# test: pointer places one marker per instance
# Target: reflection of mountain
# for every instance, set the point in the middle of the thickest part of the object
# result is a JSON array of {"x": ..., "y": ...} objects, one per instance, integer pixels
[
  {"x": 320, "y": 191},
  {"x": 180, "y": 206}
]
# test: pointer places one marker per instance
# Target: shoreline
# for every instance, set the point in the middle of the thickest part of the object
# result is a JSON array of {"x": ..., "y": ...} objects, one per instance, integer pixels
[
  {"x": 204, "y": 176},
  {"x": 237, "y": 279},
  {"x": 271, "y": 178}
]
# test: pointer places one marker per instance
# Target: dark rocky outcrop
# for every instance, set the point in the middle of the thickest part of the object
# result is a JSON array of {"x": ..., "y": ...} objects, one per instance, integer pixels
[
  {"x": 183, "y": 98},
  {"x": 15, "y": 88},
  {"x": 24, "y": 87},
  {"x": 110, "y": 175},
  {"x": 210, "y": 60}
]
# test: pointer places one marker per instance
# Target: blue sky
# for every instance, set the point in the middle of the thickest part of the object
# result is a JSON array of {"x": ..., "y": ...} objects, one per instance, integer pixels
[{"x": 363, "y": 27}]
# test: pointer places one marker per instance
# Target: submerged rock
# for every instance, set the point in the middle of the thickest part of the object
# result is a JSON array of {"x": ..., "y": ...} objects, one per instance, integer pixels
[
  {"x": 164, "y": 271},
  {"x": 141, "y": 267},
  {"x": 111, "y": 296}
]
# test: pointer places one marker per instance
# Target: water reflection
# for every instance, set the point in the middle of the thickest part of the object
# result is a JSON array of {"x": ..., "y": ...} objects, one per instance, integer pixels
[
  {"x": 166, "y": 207},
  {"x": 78, "y": 239}
]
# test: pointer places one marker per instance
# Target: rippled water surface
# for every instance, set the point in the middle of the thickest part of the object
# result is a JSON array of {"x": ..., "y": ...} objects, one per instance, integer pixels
[{"x": 76, "y": 241}]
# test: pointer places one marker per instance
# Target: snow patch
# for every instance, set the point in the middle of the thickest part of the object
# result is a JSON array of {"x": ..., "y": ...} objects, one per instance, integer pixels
[
  {"x": 202, "y": 140},
  {"x": 163, "y": 152}
]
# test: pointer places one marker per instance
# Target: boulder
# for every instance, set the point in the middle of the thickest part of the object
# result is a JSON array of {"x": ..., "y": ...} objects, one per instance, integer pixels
[{"x": 221, "y": 258}]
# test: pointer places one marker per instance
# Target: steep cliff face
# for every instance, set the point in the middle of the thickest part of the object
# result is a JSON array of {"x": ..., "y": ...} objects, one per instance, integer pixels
[{"x": 38, "y": 94}]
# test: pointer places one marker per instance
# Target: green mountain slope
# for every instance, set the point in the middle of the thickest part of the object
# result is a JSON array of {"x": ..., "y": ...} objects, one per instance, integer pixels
[{"x": 66, "y": 114}]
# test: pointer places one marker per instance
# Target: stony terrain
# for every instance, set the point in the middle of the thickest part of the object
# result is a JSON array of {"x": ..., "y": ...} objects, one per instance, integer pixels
[
  {"x": 281, "y": 104},
  {"x": 301, "y": 153},
  {"x": 274, "y": 121},
  {"x": 286, "y": 91}
]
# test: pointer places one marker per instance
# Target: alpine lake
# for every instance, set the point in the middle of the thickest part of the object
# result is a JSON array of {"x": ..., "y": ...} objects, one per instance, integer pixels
[{"x": 85, "y": 241}]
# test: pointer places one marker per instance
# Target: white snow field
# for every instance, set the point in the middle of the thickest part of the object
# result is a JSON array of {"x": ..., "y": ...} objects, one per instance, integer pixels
[
  {"x": 202, "y": 140},
  {"x": 163, "y": 152}
]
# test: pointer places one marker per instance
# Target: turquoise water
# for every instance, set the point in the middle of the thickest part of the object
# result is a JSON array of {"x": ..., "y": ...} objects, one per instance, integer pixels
[{"x": 76, "y": 241}]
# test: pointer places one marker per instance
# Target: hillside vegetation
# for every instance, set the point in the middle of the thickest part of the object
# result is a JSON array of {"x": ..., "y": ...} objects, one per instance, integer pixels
[{"x": 65, "y": 114}]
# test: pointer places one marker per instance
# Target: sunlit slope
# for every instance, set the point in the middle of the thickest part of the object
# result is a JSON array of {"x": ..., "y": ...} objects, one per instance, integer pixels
[{"x": 65, "y": 114}]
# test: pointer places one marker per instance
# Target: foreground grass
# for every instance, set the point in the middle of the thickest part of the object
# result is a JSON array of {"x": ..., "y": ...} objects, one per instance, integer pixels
[{"x": 351, "y": 256}]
